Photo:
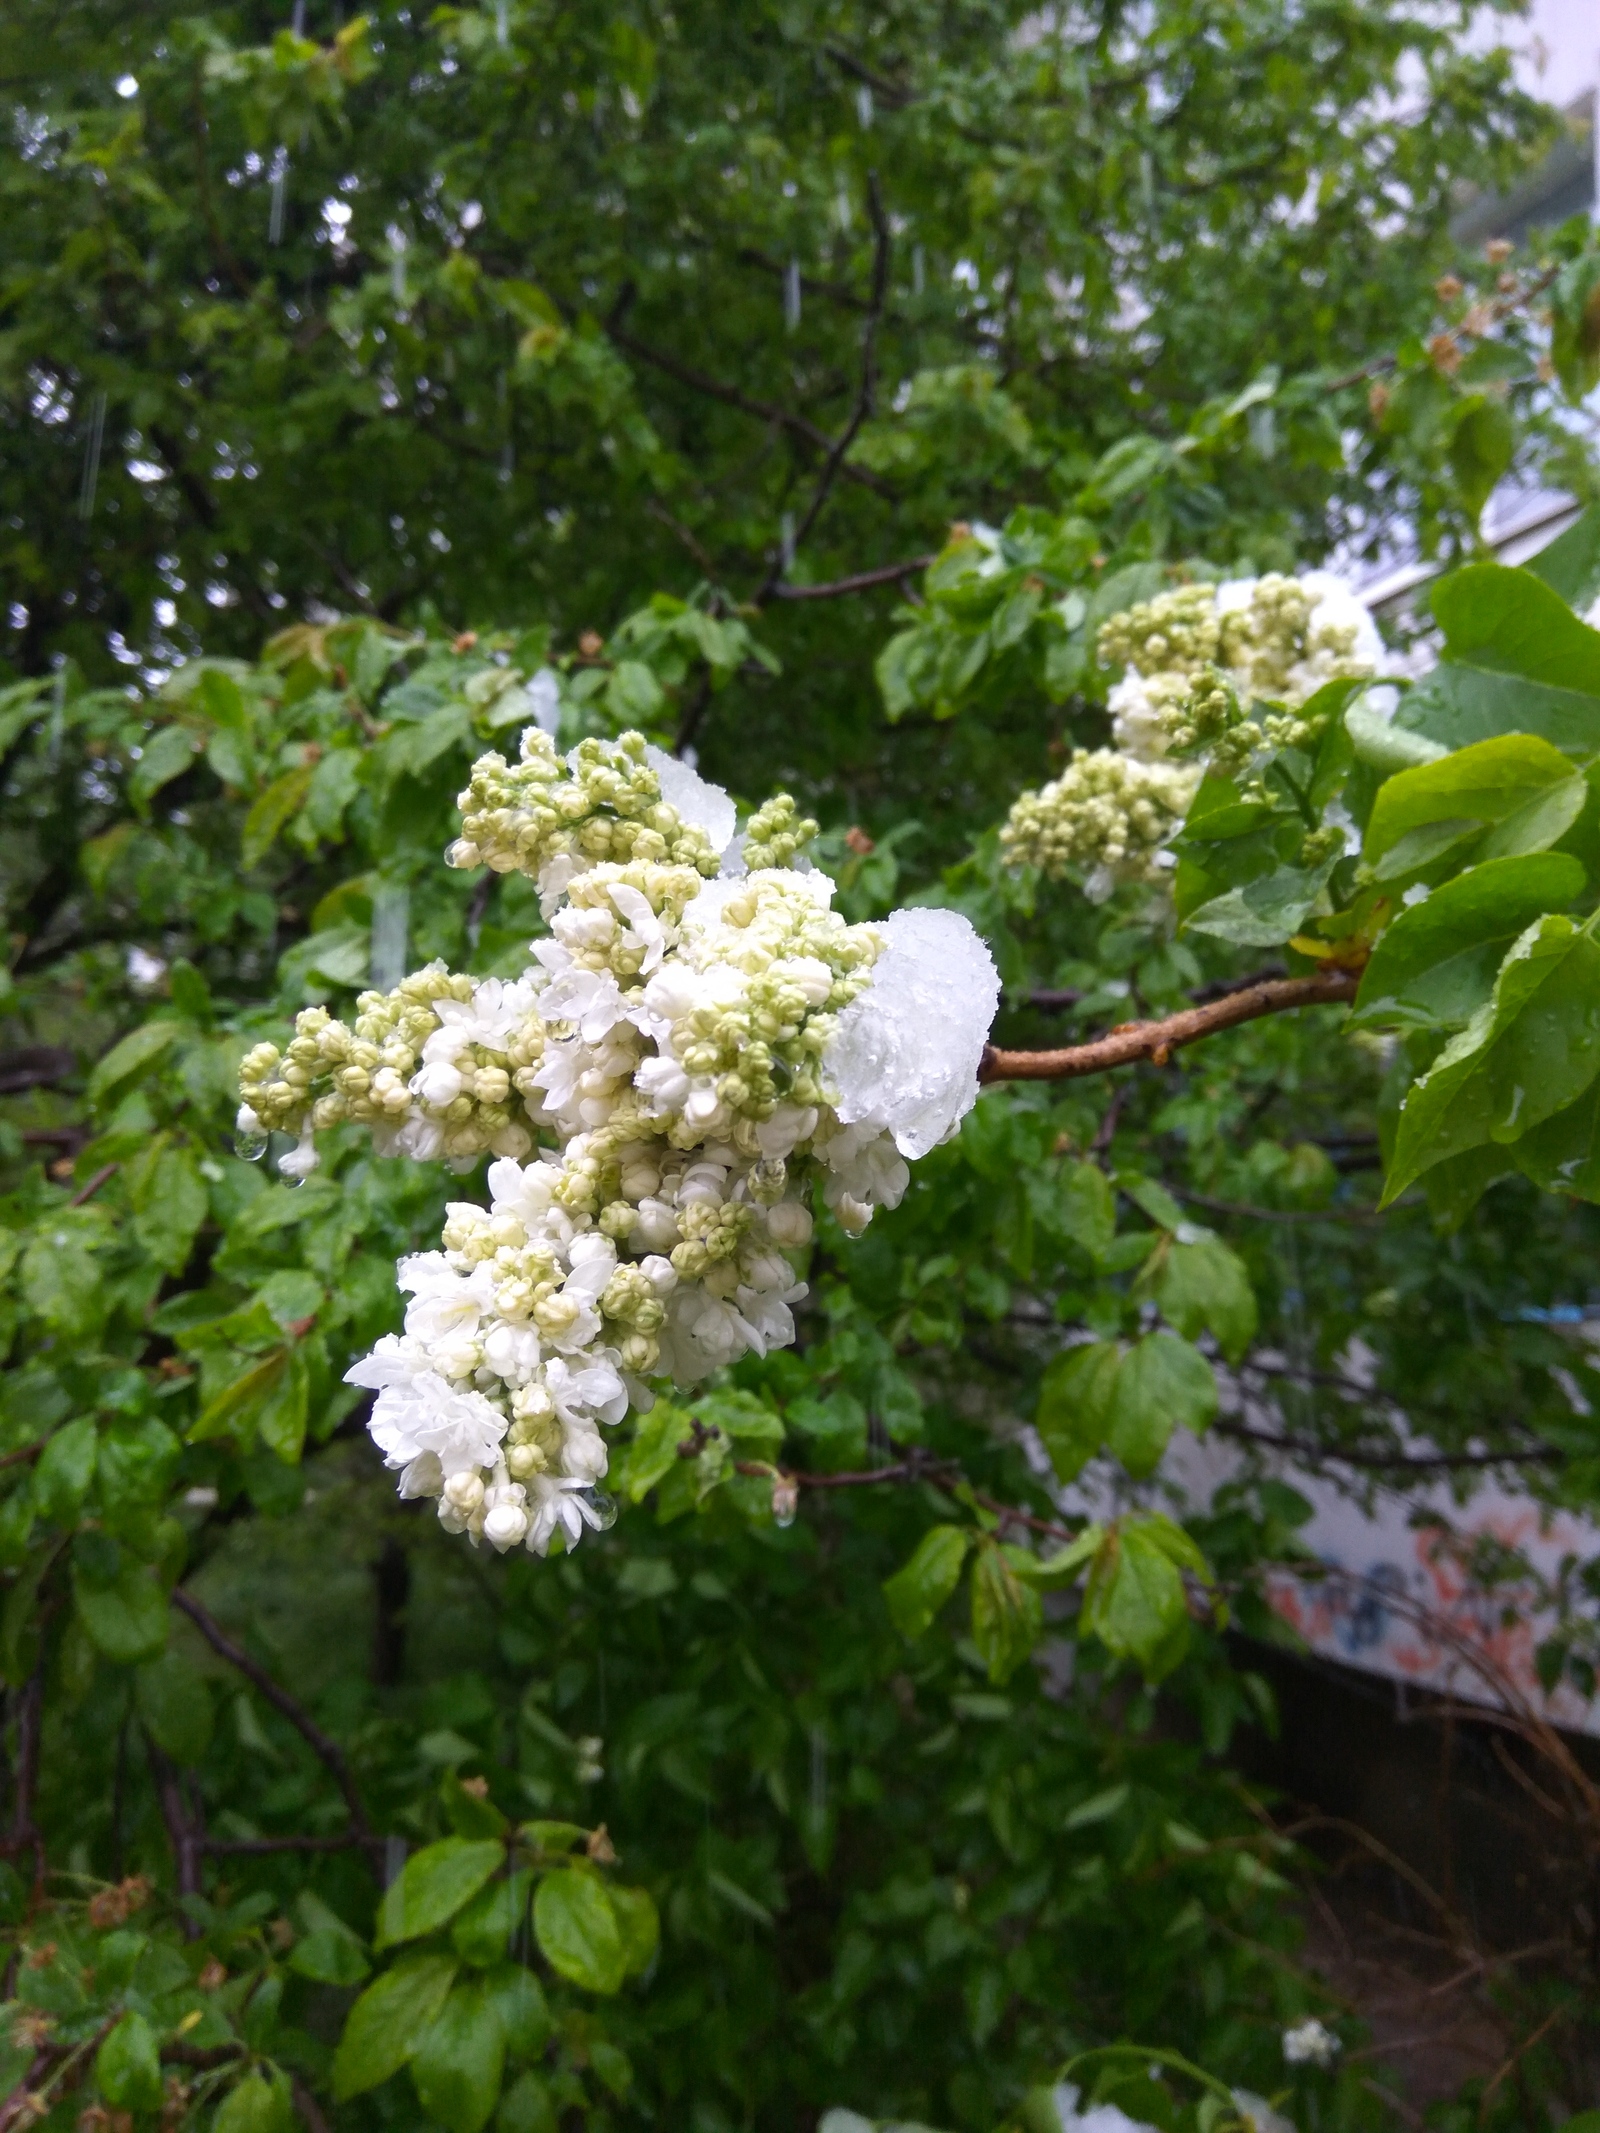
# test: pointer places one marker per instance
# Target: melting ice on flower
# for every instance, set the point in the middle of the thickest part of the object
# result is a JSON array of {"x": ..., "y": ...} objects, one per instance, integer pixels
[{"x": 703, "y": 1040}]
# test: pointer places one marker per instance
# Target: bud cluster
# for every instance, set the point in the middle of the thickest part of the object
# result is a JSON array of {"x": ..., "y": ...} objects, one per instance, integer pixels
[{"x": 1107, "y": 814}]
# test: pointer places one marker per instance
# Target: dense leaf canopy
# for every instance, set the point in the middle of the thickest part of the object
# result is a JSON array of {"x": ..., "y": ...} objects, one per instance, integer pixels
[{"x": 374, "y": 388}]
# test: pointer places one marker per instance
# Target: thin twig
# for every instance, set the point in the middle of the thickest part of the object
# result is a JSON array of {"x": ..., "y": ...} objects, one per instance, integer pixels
[
  {"x": 862, "y": 581},
  {"x": 280, "y": 1699},
  {"x": 1386, "y": 1462},
  {"x": 182, "y": 1834},
  {"x": 308, "y": 2107},
  {"x": 87, "y": 1192},
  {"x": 1157, "y": 1041},
  {"x": 260, "y": 1847},
  {"x": 866, "y": 394},
  {"x": 764, "y": 411}
]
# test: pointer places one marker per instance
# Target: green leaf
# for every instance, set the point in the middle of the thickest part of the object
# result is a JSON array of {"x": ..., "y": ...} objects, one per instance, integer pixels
[
  {"x": 169, "y": 1203},
  {"x": 167, "y": 754},
  {"x": 389, "y": 2021},
  {"x": 457, "y": 2066},
  {"x": 272, "y": 810},
  {"x": 1204, "y": 1287},
  {"x": 125, "y": 1618},
  {"x": 1570, "y": 564},
  {"x": 127, "y": 2066},
  {"x": 269, "y": 1401},
  {"x": 921, "y": 1587},
  {"x": 1528, "y": 1052},
  {"x": 261, "y": 2103},
  {"x": 433, "y": 1885},
  {"x": 331, "y": 1955},
  {"x": 526, "y": 2107},
  {"x": 1517, "y": 660},
  {"x": 519, "y": 2005},
  {"x": 1134, "y": 1601},
  {"x": 654, "y": 1451},
  {"x": 483, "y": 1931},
  {"x": 578, "y": 1931},
  {"x": 1482, "y": 445},
  {"x": 1007, "y": 1617},
  {"x": 1262, "y": 913},
  {"x": 1490, "y": 782},
  {"x": 129, "y": 1061},
  {"x": 640, "y": 1926},
  {"x": 174, "y": 1705},
  {"x": 1074, "y": 1410},
  {"x": 1436, "y": 963},
  {"x": 1161, "y": 1383},
  {"x": 66, "y": 1468},
  {"x": 1086, "y": 1209}
]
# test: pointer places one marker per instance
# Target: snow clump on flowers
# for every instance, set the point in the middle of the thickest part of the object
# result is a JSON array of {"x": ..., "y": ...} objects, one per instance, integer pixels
[
  {"x": 702, "y": 1041},
  {"x": 1211, "y": 674}
]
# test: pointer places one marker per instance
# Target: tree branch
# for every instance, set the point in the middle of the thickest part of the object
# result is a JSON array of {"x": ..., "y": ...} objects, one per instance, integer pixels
[
  {"x": 186, "y": 1840},
  {"x": 332, "y": 1755},
  {"x": 1386, "y": 1462},
  {"x": 1157, "y": 1041}
]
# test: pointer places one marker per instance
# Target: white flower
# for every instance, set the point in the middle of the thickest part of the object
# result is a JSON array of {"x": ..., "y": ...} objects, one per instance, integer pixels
[
  {"x": 581, "y": 1392},
  {"x": 645, "y": 934},
  {"x": 427, "y": 1420},
  {"x": 1097, "y": 2118},
  {"x": 301, "y": 1159},
  {"x": 438, "y": 1084},
  {"x": 557, "y": 1502},
  {"x": 1258, "y": 2114},
  {"x": 1310, "y": 2043}
]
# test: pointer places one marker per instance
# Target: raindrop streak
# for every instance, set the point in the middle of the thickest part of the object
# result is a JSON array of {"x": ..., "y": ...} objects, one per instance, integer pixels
[
  {"x": 250, "y": 1147},
  {"x": 864, "y": 106},
  {"x": 91, "y": 455},
  {"x": 786, "y": 539},
  {"x": 791, "y": 295},
  {"x": 602, "y": 1508},
  {"x": 919, "y": 269},
  {"x": 280, "y": 180},
  {"x": 502, "y": 27}
]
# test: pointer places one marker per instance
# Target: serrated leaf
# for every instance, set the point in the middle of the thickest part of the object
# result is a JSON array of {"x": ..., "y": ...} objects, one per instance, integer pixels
[
  {"x": 1007, "y": 1617},
  {"x": 1204, "y": 1288},
  {"x": 1162, "y": 1382},
  {"x": 1074, "y": 1410}
]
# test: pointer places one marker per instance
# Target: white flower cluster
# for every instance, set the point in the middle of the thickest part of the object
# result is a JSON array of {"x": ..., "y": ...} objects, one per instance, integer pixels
[
  {"x": 1108, "y": 814},
  {"x": 1253, "y": 641},
  {"x": 699, "y": 1047},
  {"x": 1211, "y": 673}
]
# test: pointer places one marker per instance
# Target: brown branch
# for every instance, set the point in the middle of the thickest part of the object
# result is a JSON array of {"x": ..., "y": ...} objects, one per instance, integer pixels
[
  {"x": 35, "y": 1066},
  {"x": 332, "y": 1755},
  {"x": 763, "y": 411},
  {"x": 25, "y": 1835},
  {"x": 1387, "y": 1462},
  {"x": 863, "y": 581},
  {"x": 308, "y": 2107},
  {"x": 866, "y": 394},
  {"x": 261, "y": 1847},
  {"x": 679, "y": 531},
  {"x": 1157, "y": 1041},
  {"x": 1246, "y": 1213},
  {"x": 103, "y": 1176},
  {"x": 183, "y": 1835}
]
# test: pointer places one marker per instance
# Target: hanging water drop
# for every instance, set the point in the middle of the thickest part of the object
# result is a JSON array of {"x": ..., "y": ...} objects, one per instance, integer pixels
[
  {"x": 785, "y": 1499},
  {"x": 602, "y": 1509},
  {"x": 250, "y": 1144}
]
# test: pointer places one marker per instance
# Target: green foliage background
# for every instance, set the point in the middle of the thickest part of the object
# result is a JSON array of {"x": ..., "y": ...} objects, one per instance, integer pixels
[{"x": 594, "y": 347}]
